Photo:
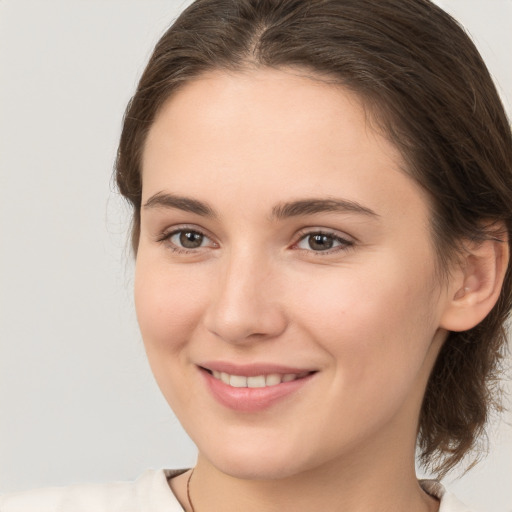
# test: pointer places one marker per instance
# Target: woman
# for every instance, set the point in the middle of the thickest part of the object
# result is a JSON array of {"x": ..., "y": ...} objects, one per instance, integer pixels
[{"x": 321, "y": 195}]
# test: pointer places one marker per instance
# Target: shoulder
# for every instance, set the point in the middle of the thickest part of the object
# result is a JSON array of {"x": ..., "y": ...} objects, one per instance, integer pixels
[
  {"x": 149, "y": 493},
  {"x": 449, "y": 503}
]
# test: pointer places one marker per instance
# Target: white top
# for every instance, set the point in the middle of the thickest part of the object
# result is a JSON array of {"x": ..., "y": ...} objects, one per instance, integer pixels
[{"x": 149, "y": 493}]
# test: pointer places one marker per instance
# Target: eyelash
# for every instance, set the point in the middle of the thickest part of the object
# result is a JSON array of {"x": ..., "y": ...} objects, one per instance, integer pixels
[
  {"x": 165, "y": 238},
  {"x": 344, "y": 243}
]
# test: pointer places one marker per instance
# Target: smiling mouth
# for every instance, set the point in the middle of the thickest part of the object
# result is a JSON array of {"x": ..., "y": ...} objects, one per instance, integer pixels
[{"x": 256, "y": 381}]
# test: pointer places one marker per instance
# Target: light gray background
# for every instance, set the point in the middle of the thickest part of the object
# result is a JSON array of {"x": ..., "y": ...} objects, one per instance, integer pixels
[{"x": 77, "y": 400}]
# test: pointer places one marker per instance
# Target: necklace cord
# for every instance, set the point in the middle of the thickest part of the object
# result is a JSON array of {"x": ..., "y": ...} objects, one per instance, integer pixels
[{"x": 188, "y": 491}]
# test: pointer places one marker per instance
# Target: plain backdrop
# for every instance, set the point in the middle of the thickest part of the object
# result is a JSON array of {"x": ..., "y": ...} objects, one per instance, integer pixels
[{"x": 77, "y": 400}]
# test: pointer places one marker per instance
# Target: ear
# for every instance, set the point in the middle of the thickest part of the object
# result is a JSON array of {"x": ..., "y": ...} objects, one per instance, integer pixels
[{"x": 475, "y": 284}]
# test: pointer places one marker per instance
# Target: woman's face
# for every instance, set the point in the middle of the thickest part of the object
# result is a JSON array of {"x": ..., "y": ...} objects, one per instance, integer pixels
[{"x": 285, "y": 279}]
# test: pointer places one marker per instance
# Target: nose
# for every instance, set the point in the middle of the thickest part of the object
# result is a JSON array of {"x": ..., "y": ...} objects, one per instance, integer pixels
[{"x": 244, "y": 304}]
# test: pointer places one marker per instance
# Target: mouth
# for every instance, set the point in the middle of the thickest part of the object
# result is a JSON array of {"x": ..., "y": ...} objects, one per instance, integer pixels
[
  {"x": 253, "y": 388},
  {"x": 256, "y": 381}
]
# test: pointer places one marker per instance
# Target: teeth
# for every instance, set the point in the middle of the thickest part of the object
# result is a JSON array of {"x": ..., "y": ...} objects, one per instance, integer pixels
[
  {"x": 273, "y": 379},
  {"x": 258, "y": 381},
  {"x": 238, "y": 381}
]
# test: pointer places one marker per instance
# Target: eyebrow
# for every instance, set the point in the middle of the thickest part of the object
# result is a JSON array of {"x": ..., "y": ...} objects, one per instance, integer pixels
[
  {"x": 187, "y": 204},
  {"x": 281, "y": 211},
  {"x": 313, "y": 205}
]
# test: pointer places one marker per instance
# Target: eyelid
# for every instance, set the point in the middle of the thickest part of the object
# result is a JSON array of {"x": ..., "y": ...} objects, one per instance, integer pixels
[
  {"x": 166, "y": 235},
  {"x": 346, "y": 241}
]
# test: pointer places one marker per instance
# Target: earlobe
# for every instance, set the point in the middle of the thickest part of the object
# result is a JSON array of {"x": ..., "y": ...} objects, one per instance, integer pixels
[{"x": 476, "y": 285}]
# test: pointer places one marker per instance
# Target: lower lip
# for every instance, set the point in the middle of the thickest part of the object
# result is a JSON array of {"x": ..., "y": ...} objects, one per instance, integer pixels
[{"x": 252, "y": 399}]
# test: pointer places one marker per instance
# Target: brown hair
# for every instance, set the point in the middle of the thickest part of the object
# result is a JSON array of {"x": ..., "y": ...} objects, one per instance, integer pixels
[{"x": 425, "y": 83}]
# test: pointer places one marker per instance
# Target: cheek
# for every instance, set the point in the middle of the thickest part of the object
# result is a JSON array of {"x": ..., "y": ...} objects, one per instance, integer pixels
[
  {"x": 168, "y": 304},
  {"x": 373, "y": 323}
]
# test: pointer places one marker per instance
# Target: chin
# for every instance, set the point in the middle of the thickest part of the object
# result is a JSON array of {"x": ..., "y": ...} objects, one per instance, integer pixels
[
  {"x": 258, "y": 462},
  {"x": 256, "y": 470}
]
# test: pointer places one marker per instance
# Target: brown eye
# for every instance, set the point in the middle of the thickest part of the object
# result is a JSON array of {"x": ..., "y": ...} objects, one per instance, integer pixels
[
  {"x": 190, "y": 239},
  {"x": 320, "y": 242},
  {"x": 187, "y": 240},
  {"x": 323, "y": 242}
]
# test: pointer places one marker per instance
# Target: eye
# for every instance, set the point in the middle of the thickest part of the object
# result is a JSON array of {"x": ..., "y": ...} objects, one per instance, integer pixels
[
  {"x": 186, "y": 240},
  {"x": 323, "y": 242}
]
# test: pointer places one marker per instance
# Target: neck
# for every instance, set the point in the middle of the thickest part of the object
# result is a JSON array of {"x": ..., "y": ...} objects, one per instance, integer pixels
[{"x": 351, "y": 485}]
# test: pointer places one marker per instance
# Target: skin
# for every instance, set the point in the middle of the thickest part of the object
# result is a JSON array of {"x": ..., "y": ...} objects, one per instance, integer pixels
[{"x": 367, "y": 315}]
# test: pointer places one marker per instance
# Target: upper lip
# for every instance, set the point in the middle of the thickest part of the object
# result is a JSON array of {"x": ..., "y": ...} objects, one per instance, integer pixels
[{"x": 253, "y": 369}]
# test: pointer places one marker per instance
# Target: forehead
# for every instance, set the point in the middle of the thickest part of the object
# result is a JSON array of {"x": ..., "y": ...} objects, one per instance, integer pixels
[
  {"x": 266, "y": 103},
  {"x": 269, "y": 133}
]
